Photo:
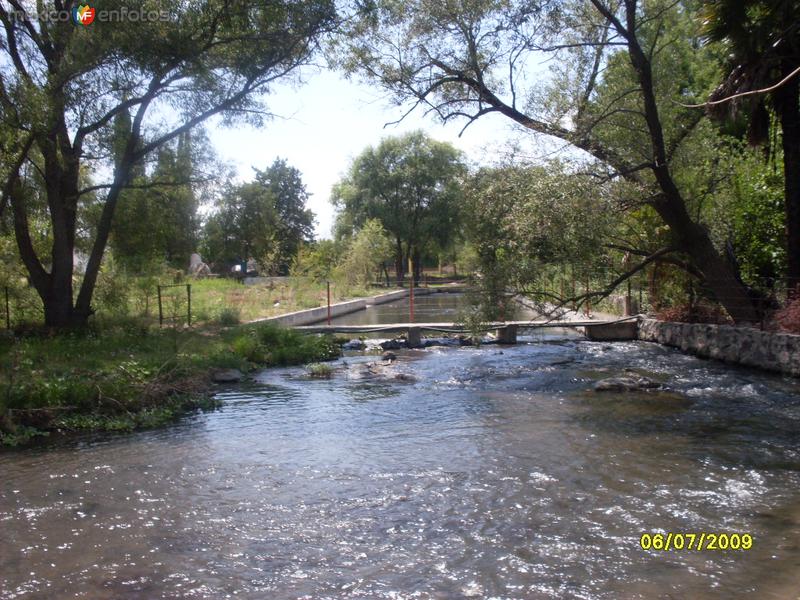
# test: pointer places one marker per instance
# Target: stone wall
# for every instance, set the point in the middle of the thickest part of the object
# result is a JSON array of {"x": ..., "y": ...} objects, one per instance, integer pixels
[{"x": 737, "y": 345}]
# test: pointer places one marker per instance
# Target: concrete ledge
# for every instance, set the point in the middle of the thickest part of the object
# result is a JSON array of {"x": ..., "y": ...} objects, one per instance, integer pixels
[
  {"x": 607, "y": 332},
  {"x": 315, "y": 315},
  {"x": 779, "y": 352}
]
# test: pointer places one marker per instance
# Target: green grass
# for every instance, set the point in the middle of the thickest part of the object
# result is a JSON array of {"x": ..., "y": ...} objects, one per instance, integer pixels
[
  {"x": 214, "y": 300},
  {"x": 129, "y": 376},
  {"x": 319, "y": 370}
]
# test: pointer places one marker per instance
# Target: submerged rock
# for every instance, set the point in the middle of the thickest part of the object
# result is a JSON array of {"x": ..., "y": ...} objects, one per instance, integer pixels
[
  {"x": 354, "y": 345},
  {"x": 629, "y": 383},
  {"x": 392, "y": 344},
  {"x": 389, "y": 356},
  {"x": 405, "y": 377},
  {"x": 227, "y": 376}
]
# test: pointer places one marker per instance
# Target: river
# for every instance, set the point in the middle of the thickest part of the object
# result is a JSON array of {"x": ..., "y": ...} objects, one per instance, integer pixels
[{"x": 481, "y": 473}]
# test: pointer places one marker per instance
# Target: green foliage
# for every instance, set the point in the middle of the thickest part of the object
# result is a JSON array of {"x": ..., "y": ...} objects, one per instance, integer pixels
[
  {"x": 121, "y": 94},
  {"x": 755, "y": 211},
  {"x": 525, "y": 224},
  {"x": 159, "y": 223},
  {"x": 411, "y": 185},
  {"x": 117, "y": 380},
  {"x": 265, "y": 219},
  {"x": 319, "y": 370},
  {"x": 365, "y": 254},
  {"x": 316, "y": 260},
  {"x": 229, "y": 316},
  {"x": 290, "y": 347},
  {"x": 295, "y": 225}
]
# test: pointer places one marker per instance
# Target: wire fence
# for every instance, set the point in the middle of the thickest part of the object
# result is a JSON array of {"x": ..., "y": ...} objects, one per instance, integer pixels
[{"x": 174, "y": 303}]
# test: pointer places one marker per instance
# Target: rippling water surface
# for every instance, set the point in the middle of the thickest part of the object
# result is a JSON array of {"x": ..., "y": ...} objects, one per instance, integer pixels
[{"x": 485, "y": 473}]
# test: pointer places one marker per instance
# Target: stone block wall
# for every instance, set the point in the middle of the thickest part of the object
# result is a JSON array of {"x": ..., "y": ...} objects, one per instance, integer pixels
[{"x": 736, "y": 345}]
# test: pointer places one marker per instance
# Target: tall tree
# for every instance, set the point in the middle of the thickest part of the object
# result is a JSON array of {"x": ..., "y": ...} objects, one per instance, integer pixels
[
  {"x": 411, "y": 185},
  {"x": 466, "y": 59},
  {"x": 763, "y": 39},
  {"x": 295, "y": 221},
  {"x": 244, "y": 225},
  {"x": 63, "y": 84}
]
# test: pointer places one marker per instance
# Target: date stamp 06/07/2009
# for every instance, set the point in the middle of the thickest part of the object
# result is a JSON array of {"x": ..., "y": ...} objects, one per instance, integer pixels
[{"x": 697, "y": 541}]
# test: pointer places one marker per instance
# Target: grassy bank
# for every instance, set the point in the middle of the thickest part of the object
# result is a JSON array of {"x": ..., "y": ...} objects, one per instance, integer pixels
[
  {"x": 130, "y": 375},
  {"x": 214, "y": 301}
]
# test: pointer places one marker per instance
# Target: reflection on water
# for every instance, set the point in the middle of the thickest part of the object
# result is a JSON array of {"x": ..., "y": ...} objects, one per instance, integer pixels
[
  {"x": 498, "y": 473},
  {"x": 433, "y": 308}
]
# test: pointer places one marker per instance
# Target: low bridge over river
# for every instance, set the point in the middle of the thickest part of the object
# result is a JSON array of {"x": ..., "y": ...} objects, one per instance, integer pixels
[{"x": 617, "y": 329}]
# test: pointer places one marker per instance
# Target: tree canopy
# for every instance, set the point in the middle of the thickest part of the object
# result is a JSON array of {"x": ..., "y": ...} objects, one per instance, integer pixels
[
  {"x": 265, "y": 219},
  {"x": 62, "y": 86},
  {"x": 612, "y": 91},
  {"x": 411, "y": 184}
]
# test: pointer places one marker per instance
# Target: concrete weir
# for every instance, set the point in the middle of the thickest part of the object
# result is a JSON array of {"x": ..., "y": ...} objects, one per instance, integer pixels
[{"x": 608, "y": 332}]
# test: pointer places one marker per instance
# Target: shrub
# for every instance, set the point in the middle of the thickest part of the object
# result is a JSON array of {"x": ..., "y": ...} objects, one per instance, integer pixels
[
  {"x": 229, "y": 316},
  {"x": 788, "y": 318},
  {"x": 248, "y": 347},
  {"x": 319, "y": 370},
  {"x": 289, "y": 347},
  {"x": 698, "y": 313}
]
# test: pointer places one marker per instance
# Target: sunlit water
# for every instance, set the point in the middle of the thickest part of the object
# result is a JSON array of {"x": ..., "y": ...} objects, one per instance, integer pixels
[{"x": 495, "y": 473}]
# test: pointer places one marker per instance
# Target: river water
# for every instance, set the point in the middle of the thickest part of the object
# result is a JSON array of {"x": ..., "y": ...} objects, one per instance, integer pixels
[{"x": 478, "y": 473}]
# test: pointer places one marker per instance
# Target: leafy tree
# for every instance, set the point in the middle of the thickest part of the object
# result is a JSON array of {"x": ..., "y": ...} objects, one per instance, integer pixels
[
  {"x": 316, "y": 260},
  {"x": 156, "y": 219},
  {"x": 244, "y": 225},
  {"x": 411, "y": 185},
  {"x": 763, "y": 39},
  {"x": 265, "y": 219},
  {"x": 618, "y": 68},
  {"x": 366, "y": 253},
  {"x": 531, "y": 224},
  {"x": 62, "y": 87},
  {"x": 295, "y": 221}
]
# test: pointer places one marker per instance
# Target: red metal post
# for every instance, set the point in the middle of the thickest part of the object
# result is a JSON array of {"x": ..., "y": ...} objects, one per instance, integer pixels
[
  {"x": 329, "y": 302},
  {"x": 411, "y": 298}
]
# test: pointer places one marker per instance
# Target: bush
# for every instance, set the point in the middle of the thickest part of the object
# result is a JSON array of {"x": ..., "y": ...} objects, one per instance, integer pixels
[
  {"x": 788, "y": 318},
  {"x": 289, "y": 347},
  {"x": 229, "y": 316},
  {"x": 698, "y": 313},
  {"x": 319, "y": 370},
  {"x": 248, "y": 348}
]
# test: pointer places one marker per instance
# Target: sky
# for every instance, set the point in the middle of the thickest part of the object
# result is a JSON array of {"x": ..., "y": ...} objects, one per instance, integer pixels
[{"x": 325, "y": 123}]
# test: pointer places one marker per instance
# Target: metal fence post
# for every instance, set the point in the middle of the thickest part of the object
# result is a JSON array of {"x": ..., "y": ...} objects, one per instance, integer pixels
[
  {"x": 411, "y": 297},
  {"x": 160, "y": 309},
  {"x": 189, "y": 304}
]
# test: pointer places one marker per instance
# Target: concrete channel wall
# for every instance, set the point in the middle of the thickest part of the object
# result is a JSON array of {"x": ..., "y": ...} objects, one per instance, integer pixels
[
  {"x": 736, "y": 345},
  {"x": 315, "y": 315}
]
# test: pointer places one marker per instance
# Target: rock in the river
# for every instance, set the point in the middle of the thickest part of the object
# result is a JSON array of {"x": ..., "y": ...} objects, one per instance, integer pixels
[
  {"x": 389, "y": 356},
  {"x": 391, "y": 344},
  {"x": 227, "y": 376},
  {"x": 354, "y": 345},
  {"x": 405, "y": 377},
  {"x": 629, "y": 383}
]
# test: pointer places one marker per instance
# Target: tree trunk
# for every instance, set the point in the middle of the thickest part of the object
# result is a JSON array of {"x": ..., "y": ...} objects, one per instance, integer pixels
[
  {"x": 721, "y": 277},
  {"x": 788, "y": 108},
  {"x": 399, "y": 266},
  {"x": 417, "y": 262}
]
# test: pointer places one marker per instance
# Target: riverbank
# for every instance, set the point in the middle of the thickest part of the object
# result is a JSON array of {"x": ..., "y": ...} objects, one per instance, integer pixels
[{"x": 133, "y": 376}]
